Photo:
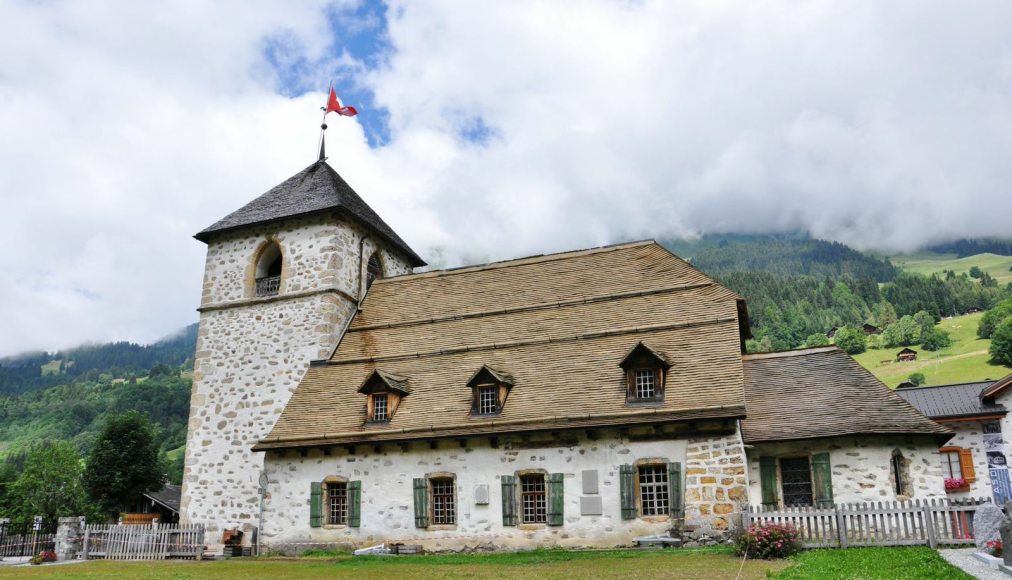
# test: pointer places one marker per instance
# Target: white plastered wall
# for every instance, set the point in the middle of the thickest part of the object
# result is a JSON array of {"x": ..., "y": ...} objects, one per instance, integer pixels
[
  {"x": 860, "y": 466},
  {"x": 387, "y": 501}
]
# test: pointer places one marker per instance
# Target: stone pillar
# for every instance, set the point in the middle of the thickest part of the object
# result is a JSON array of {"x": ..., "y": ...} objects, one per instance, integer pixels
[
  {"x": 715, "y": 486},
  {"x": 69, "y": 533}
]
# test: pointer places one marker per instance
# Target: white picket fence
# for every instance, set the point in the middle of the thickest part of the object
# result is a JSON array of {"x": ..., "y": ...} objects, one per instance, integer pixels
[
  {"x": 908, "y": 523},
  {"x": 143, "y": 542}
]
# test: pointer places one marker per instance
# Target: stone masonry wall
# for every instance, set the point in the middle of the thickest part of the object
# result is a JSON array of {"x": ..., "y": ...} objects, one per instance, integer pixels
[
  {"x": 970, "y": 435},
  {"x": 252, "y": 352},
  {"x": 860, "y": 466},
  {"x": 387, "y": 505},
  {"x": 715, "y": 486}
]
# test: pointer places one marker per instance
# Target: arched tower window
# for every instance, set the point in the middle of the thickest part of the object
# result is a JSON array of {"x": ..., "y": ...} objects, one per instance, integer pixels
[
  {"x": 373, "y": 270},
  {"x": 268, "y": 272}
]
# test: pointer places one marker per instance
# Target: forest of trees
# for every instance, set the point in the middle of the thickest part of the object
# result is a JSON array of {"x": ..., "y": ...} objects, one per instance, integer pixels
[
  {"x": 797, "y": 287},
  {"x": 964, "y": 248},
  {"x": 22, "y": 373}
]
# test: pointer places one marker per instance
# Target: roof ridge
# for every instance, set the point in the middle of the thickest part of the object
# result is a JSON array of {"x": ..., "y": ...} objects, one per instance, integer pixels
[
  {"x": 790, "y": 352},
  {"x": 532, "y": 259}
]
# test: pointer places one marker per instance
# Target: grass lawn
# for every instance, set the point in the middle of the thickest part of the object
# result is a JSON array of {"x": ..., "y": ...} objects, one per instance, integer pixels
[
  {"x": 965, "y": 361},
  {"x": 928, "y": 263},
  {"x": 688, "y": 563},
  {"x": 916, "y": 562},
  {"x": 900, "y": 562}
]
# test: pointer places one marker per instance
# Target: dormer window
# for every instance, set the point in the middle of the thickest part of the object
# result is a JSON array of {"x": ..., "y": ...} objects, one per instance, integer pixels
[
  {"x": 489, "y": 390},
  {"x": 268, "y": 270},
  {"x": 384, "y": 393},
  {"x": 645, "y": 374}
]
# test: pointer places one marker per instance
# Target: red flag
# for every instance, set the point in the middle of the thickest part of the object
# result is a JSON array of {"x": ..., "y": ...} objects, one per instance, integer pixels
[{"x": 334, "y": 105}]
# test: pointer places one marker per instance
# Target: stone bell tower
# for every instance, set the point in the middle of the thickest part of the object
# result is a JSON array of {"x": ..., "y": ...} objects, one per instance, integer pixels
[{"x": 284, "y": 275}]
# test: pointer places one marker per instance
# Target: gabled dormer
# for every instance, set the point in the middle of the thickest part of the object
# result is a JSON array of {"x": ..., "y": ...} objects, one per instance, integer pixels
[
  {"x": 646, "y": 371},
  {"x": 489, "y": 389},
  {"x": 384, "y": 393}
]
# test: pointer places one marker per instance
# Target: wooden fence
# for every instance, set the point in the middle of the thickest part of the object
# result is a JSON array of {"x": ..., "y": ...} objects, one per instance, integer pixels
[
  {"x": 927, "y": 522},
  {"x": 135, "y": 542}
]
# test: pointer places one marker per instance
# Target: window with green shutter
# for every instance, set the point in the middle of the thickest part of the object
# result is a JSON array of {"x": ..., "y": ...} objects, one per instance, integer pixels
[
  {"x": 556, "y": 503},
  {"x": 627, "y": 492},
  {"x": 509, "y": 500},
  {"x": 315, "y": 509},
  {"x": 822, "y": 479},
  {"x": 354, "y": 504},
  {"x": 421, "y": 502},
  {"x": 675, "y": 486},
  {"x": 768, "y": 480}
]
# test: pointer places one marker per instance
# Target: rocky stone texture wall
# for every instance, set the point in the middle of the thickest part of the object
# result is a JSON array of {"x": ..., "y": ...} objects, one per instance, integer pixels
[
  {"x": 970, "y": 435},
  {"x": 252, "y": 352},
  {"x": 715, "y": 486},
  {"x": 861, "y": 466},
  {"x": 387, "y": 505}
]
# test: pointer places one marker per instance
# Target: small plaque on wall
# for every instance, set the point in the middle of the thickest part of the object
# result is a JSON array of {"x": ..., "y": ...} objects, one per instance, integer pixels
[
  {"x": 591, "y": 506},
  {"x": 481, "y": 494}
]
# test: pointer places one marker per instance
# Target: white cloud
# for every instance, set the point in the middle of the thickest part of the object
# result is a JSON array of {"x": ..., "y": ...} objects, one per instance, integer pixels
[{"x": 129, "y": 126}]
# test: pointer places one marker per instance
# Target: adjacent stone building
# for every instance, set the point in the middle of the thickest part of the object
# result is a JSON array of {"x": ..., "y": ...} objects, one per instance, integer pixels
[
  {"x": 822, "y": 430},
  {"x": 974, "y": 461}
]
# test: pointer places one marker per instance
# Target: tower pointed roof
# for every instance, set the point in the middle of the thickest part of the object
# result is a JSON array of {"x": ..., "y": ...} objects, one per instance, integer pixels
[{"x": 315, "y": 189}]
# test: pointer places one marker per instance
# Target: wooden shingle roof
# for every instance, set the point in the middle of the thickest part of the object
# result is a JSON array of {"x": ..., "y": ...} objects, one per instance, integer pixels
[
  {"x": 559, "y": 325},
  {"x": 823, "y": 392},
  {"x": 315, "y": 189}
]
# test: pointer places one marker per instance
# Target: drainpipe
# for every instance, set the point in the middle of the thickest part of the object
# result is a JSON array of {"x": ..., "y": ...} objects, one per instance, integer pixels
[{"x": 361, "y": 256}]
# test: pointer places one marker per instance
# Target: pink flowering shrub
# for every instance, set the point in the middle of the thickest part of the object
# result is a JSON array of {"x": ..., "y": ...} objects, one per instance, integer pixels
[
  {"x": 43, "y": 556},
  {"x": 993, "y": 547},
  {"x": 769, "y": 541},
  {"x": 952, "y": 483}
]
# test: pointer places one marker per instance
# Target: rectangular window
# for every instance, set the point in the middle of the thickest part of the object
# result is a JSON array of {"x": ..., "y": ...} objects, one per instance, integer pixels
[
  {"x": 444, "y": 505},
  {"x": 951, "y": 468},
  {"x": 533, "y": 500},
  {"x": 379, "y": 407},
  {"x": 488, "y": 399},
  {"x": 645, "y": 387},
  {"x": 337, "y": 504},
  {"x": 654, "y": 499},
  {"x": 796, "y": 477}
]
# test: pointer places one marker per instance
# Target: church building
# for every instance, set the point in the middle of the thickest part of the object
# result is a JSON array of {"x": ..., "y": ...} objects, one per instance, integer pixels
[{"x": 576, "y": 399}]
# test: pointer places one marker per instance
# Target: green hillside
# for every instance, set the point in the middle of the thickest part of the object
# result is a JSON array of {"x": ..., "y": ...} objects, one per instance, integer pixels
[
  {"x": 967, "y": 360},
  {"x": 930, "y": 263}
]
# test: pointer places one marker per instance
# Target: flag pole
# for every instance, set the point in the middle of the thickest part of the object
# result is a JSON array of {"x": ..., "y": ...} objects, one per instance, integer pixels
[{"x": 323, "y": 128}]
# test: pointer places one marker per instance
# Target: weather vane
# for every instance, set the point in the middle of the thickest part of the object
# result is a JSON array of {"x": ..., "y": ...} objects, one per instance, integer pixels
[{"x": 334, "y": 105}]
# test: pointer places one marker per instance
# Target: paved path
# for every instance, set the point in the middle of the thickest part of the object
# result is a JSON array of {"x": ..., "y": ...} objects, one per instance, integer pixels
[{"x": 963, "y": 558}]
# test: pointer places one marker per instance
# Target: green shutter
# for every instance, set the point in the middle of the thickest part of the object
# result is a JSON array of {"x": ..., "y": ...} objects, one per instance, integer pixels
[
  {"x": 822, "y": 476},
  {"x": 354, "y": 504},
  {"x": 315, "y": 499},
  {"x": 556, "y": 483},
  {"x": 675, "y": 488},
  {"x": 768, "y": 480},
  {"x": 509, "y": 500},
  {"x": 421, "y": 503},
  {"x": 626, "y": 491}
]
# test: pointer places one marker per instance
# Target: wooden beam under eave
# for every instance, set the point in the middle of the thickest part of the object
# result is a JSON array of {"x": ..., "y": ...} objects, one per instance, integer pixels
[
  {"x": 592, "y": 434},
  {"x": 350, "y": 449},
  {"x": 405, "y": 446},
  {"x": 433, "y": 444},
  {"x": 462, "y": 442},
  {"x": 303, "y": 452},
  {"x": 966, "y": 419}
]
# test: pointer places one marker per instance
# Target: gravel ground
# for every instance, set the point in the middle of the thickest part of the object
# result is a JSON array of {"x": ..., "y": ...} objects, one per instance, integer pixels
[{"x": 963, "y": 558}]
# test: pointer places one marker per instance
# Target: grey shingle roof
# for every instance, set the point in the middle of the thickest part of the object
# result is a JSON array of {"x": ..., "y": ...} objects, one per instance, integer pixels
[
  {"x": 950, "y": 401},
  {"x": 823, "y": 392},
  {"x": 168, "y": 496},
  {"x": 315, "y": 189}
]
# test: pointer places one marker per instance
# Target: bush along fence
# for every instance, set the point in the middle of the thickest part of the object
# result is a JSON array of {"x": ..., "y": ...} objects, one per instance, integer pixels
[{"x": 908, "y": 523}]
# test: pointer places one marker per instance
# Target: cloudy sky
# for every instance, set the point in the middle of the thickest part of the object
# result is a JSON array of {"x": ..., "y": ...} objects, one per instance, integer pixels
[{"x": 486, "y": 130}]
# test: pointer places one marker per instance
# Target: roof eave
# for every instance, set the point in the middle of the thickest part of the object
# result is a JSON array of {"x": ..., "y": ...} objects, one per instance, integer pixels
[{"x": 940, "y": 437}]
